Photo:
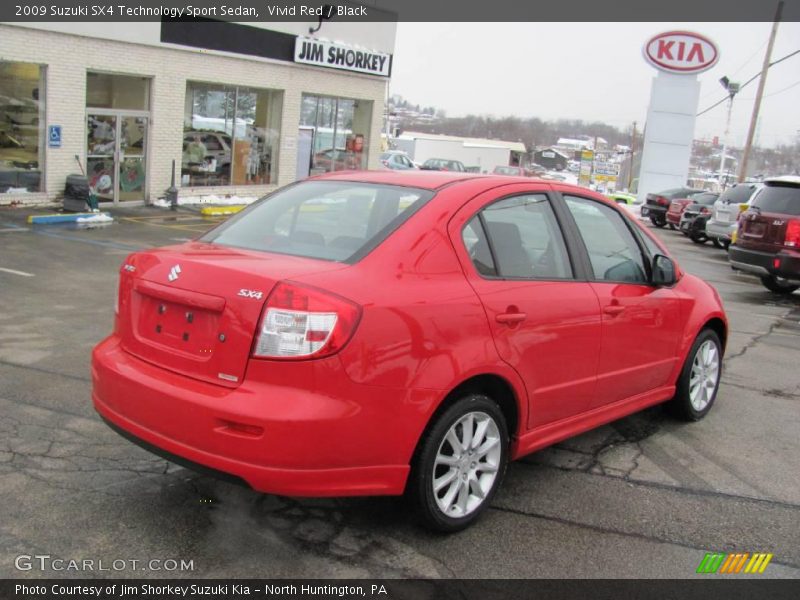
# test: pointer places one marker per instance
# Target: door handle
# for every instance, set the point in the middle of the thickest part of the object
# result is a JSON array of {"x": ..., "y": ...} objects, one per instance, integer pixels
[
  {"x": 510, "y": 318},
  {"x": 613, "y": 309}
]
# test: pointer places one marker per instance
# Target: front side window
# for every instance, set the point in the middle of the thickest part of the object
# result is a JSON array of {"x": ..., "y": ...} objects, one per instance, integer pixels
[
  {"x": 613, "y": 251},
  {"x": 524, "y": 238},
  {"x": 231, "y": 135},
  {"x": 21, "y": 123},
  {"x": 321, "y": 219}
]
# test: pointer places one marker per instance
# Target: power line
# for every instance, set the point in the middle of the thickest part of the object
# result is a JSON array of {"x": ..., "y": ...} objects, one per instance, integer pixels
[
  {"x": 752, "y": 79},
  {"x": 795, "y": 84}
]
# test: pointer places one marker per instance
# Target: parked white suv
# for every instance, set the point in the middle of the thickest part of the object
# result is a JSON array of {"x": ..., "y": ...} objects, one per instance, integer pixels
[{"x": 725, "y": 213}]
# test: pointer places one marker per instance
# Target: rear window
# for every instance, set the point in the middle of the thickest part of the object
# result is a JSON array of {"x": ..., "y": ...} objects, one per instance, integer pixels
[
  {"x": 738, "y": 194},
  {"x": 328, "y": 220},
  {"x": 706, "y": 199},
  {"x": 784, "y": 199}
]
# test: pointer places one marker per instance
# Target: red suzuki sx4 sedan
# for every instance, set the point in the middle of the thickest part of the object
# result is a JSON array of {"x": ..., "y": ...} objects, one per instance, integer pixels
[{"x": 367, "y": 333}]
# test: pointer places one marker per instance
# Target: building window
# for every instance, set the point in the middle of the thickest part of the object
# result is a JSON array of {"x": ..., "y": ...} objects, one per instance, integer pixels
[
  {"x": 118, "y": 92},
  {"x": 230, "y": 135},
  {"x": 340, "y": 129},
  {"x": 22, "y": 121}
]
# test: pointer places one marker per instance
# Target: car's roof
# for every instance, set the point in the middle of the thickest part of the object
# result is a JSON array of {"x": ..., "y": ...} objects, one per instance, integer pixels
[
  {"x": 790, "y": 179},
  {"x": 432, "y": 180}
]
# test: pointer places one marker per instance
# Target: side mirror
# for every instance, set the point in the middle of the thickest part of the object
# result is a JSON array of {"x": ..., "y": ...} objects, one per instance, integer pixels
[{"x": 663, "y": 271}]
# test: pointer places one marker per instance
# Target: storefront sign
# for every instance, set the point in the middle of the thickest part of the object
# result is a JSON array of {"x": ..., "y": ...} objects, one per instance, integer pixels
[
  {"x": 585, "y": 173},
  {"x": 605, "y": 171},
  {"x": 340, "y": 56},
  {"x": 54, "y": 136},
  {"x": 681, "y": 52}
]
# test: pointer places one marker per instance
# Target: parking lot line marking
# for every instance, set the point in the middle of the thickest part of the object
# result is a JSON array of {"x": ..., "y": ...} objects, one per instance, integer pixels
[
  {"x": 14, "y": 230},
  {"x": 15, "y": 272},
  {"x": 181, "y": 227}
]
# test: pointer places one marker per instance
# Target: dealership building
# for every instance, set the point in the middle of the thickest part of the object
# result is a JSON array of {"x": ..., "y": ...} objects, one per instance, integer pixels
[{"x": 239, "y": 109}]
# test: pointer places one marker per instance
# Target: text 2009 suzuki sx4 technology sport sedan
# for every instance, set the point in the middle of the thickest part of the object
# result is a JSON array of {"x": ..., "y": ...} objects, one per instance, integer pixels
[{"x": 383, "y": 332}]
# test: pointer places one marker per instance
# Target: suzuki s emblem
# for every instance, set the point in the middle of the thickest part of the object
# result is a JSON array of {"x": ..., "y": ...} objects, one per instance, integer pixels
[{"x": 174, "y": 272}]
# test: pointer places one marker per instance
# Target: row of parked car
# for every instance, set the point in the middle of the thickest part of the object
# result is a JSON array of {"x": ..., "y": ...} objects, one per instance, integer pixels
[{"x": 757, "y": 223}]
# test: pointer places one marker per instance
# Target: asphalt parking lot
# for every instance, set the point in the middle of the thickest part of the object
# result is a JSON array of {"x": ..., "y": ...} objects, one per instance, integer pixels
[{"x": 643, "y": 497}]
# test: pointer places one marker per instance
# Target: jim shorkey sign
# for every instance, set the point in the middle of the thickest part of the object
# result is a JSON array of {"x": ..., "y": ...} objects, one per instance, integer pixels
[{"x": 679, "y": 56}]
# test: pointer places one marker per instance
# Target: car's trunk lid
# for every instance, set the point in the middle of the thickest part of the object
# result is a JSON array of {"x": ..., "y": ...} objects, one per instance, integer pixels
[{"x": 194, "y": 309}]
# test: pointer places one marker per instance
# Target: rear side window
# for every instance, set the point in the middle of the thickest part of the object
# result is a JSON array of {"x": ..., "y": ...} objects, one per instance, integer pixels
[
  {"x": 613, "y": 251},
  {"x": 784, "y": 199},
  {"x": 524, "y": 239},
  {"x": 738, "y": 194},
  {"x": 321, "y": 219},
  {"x": 477, "y": 245},
  {"x": 706, "y": 199}
]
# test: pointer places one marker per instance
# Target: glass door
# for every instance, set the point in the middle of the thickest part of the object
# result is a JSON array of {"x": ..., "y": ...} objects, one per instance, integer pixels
[
  {"x": 116, "y": 152},
  {"x": 131, "y": 158},
  {"x": 101, "y": 152}
]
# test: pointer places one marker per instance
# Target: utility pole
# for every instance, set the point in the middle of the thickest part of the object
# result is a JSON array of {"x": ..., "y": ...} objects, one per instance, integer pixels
[
  {"x": 760, "y": 93},
  {"x": 633, "y": 153}
]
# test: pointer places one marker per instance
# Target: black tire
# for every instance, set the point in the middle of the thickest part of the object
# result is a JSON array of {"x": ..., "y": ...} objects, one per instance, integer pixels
[
  {"x": 726, "y": 244},
  {"x": 672, "y": 227},
  {"x": 420, "y": 483},
  {"x": 698, "y": 238},
  {"x": 658, "y": 221},
  {"x": 717, "y": 243},
  {"x": 681, "y": 404},
  {"x": 777, "y": 287}
]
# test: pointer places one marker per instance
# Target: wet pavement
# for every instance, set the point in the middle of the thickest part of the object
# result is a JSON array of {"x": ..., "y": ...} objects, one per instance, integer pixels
[{"x": 645, "y": 496}]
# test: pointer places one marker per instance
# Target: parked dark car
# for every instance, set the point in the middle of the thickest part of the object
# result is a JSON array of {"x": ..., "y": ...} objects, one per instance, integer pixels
[
  {"x": 695, "y": 216},
  {"x": 507, "y": 170},
  {"x": 725, "y": 214},
  {"x": 768, "y": 239},
  {"x": 443, "y": 164},
  {"x": 656, "y": 205}
]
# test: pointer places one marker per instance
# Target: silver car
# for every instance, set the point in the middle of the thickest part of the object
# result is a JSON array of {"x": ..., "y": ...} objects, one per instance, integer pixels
[{"x": 725, "y": 213}]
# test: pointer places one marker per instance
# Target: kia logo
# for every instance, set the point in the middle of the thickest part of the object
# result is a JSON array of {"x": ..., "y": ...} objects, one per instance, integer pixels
[{"x": 681, "y": 52}]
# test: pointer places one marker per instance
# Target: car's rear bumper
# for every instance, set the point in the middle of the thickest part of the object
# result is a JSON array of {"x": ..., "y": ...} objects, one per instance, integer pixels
[
  {"x": 674, "y": 218},
  {"x": 719, "y": 230},
  {"x": 654, "y": 211},
  {"x": 331, "y": 437},
  {"x": 784, "y": 264}
]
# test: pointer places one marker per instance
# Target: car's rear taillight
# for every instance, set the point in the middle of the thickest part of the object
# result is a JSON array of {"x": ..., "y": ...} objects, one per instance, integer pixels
[
  {"x": 302, "y": 322},
  {"x": 661, "y": 200},
  {"x": 704, "y": 210},
  {"x": 792, "y": 238}
]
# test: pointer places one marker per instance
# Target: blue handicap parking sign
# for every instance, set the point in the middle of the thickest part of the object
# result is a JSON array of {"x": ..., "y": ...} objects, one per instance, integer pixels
[{"x": 54, "y": 136}]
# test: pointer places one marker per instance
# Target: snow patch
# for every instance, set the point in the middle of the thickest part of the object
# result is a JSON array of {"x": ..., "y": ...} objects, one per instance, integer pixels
[
  {"x": 211, "y": 200},
  {"x": 95, "y": 219}
]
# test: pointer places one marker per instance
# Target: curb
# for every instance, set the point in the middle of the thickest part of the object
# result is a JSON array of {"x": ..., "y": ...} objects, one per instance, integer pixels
[
  {"x": 62, "y": 218},
  {"x": 216, "y": 211}
]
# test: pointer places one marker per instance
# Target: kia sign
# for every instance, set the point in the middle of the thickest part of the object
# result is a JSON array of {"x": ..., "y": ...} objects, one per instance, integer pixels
[{"x": 681, "y": 52}]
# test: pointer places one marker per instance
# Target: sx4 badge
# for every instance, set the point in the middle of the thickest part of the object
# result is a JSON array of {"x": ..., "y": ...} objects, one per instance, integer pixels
[{"x": 251, "y": 294}]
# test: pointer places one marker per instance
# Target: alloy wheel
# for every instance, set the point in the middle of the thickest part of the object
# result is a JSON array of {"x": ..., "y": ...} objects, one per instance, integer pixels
[
  {"x": 466, "y": 464},
  {"x": 704, "y": 376}
]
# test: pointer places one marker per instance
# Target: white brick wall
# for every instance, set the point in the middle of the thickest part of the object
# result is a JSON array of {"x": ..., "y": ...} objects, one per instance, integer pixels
[{"x": 67, "y": 58}]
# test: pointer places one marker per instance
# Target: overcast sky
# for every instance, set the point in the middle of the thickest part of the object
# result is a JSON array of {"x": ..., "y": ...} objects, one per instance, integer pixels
[{"x": 590, "y": 71}]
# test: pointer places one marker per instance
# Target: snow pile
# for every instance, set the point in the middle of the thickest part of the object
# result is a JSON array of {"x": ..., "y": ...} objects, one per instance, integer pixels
[
  {"x": 17, "y": 190},
  {"x": 100, "y": 218},
  {"x": 211, "y": 200}
]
